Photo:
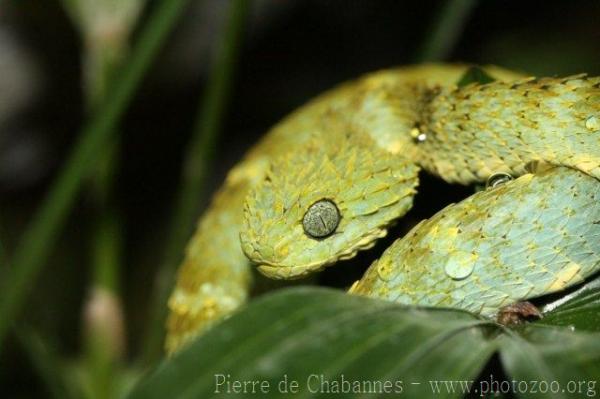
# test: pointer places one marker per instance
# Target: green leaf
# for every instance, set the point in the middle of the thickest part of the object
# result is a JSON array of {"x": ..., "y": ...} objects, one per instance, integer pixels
[
  {"x": 579, "y": 310},
  {"x": 311, "y": 334},
  {"x": 474, "y": 75},
  {"x": 557, "y": 361},
  {"x": 552, "y": 362}
]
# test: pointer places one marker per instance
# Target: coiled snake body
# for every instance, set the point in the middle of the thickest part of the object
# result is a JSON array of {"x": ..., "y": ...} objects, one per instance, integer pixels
[{"x": 330, "y": 178}]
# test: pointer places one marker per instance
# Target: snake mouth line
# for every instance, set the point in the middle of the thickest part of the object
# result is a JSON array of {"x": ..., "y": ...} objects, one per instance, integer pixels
[
  {"x": 279, "y": 271},
  {"x": 282, "y": 272}
]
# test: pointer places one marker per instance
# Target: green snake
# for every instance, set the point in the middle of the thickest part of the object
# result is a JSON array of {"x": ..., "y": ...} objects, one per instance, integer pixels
[{"x": 329, "y": 180}]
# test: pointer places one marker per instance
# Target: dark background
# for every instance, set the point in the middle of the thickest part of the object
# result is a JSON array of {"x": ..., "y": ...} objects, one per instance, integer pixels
[{"x": 292, "y": 50}]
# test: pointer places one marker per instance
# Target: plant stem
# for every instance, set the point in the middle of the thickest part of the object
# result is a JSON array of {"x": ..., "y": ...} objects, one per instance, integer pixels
[
  {"x": 45, "y": 361},
  {"x": 199, "y": 156},
  {"x": 3, "y": 255},
  {"x": 39, "y": 237},
  {"x": 104, "y": 327},
  {"x": 446, "y": 30}
]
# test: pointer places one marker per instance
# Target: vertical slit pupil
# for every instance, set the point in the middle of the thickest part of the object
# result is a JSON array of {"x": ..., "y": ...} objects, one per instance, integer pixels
[{"x": 321, "y": 219}]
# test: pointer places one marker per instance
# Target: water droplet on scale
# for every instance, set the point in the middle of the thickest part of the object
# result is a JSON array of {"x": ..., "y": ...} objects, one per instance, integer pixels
[
  {"x": 384, "y": 270},
  {"x": 459, "y": 268},
  {"x": 592, "y": 123},
  {"x": 417, "y": 135},
  {"x": 498, "y": 179}
]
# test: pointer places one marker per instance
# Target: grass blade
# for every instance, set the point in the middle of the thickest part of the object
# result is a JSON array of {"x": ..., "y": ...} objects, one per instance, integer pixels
[
  {"x": 198, "y": 159},
  {"x": 42, "y": 232},
  {"x": 446, "y": 30}
]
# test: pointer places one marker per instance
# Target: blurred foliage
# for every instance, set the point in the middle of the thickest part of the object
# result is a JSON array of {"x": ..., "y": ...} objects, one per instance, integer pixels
[
  {"x": 75, "y": 69},
  {"x": 198, "y": 159}
]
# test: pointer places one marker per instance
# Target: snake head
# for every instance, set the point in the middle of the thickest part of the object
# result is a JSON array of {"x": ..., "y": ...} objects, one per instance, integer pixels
[{"x": 323, "y": 202}]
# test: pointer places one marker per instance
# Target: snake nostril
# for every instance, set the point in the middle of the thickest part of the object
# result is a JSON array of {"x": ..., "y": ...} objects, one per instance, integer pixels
[
  {"x": 321, "y": 219},
  {"x": 498, "y": 179}
]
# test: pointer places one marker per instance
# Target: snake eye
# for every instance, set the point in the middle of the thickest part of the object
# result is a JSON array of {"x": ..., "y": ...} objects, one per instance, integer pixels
[{"x": 321, "y": 219}]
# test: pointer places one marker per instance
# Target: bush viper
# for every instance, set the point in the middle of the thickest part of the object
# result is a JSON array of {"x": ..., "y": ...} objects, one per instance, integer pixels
[{"x": 330, "y": 178}]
